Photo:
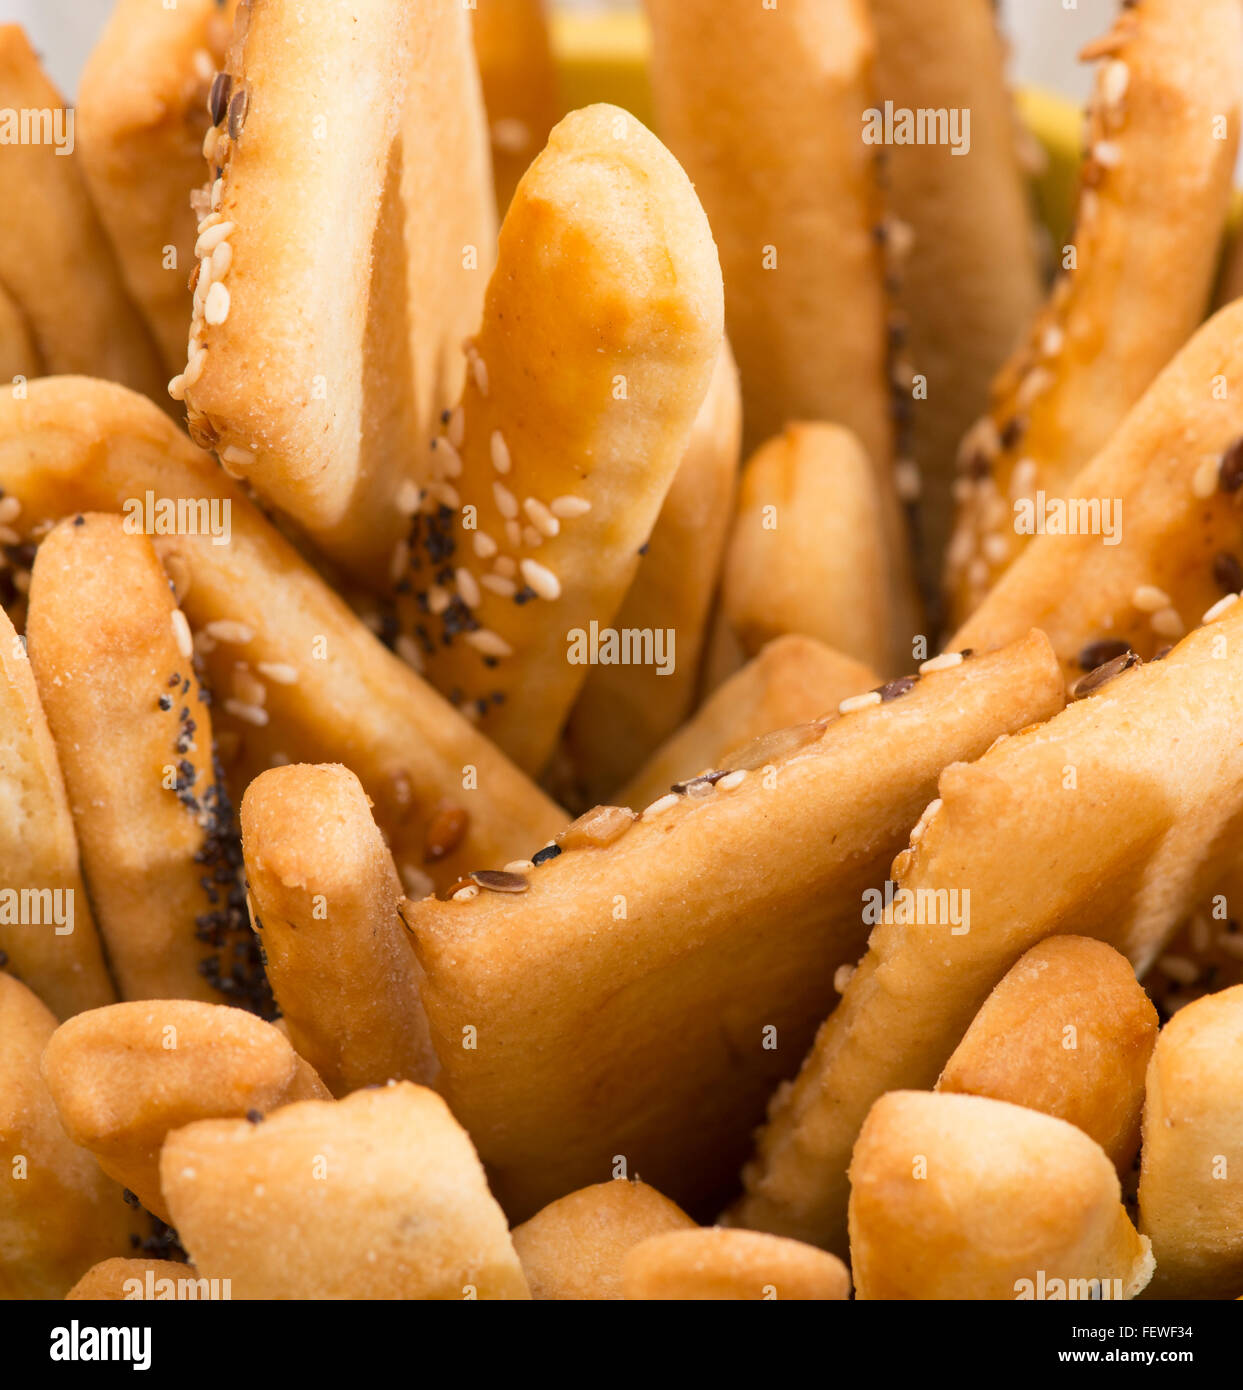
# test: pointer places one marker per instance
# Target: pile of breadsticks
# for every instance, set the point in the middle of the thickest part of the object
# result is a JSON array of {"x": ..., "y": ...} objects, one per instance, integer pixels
[{"x": 461, "y": 836}]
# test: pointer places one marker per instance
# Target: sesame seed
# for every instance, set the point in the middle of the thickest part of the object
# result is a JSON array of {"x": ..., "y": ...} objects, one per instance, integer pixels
[
  {"x": 444, "y": 493},
  {"x": 541, "y": 517},
  {"x": 995, "y": 549},
  {"x": 518, "y": 866},
  {"x": 1179, "y": 968},
  {"x": 531, "y": 538},
  {"x": 945, "y": 662},
  {"x": 194, "y": 368},
  {"x": 1148, "y": 598},
  {"x": 485, "y": 547},
  {"x": 541, "y": 579},
  {"x": 176, "y": 388},
  {"x": 662, "y": 804},
  {"x": 181, "y": 634},
  {"x": 1220, "y": 608},
  {"x": 438, "y": 599},
  {"x": 1167, "y": 622},
  {"x": 908, "y": 480},
  {"x": 842, "y": 977},
  {"x": 407, "y": 499},
  {"x": 217, "y": 195},
  {"x": 498, "y": 584},
  {"x": 449, "y": 458},
  {"x": 247, "y": 713},
  {"x": 505, "y": 566},
  {"x": 731, "y": 780},
  {"x": 237, "y": 456},
  {"x": 468, "y": 588},
  {"x": 226, "y": 630},
  {"x": 479, "y": 369},
  {"x": 500, "y": 453},
  {"x": 1115, "y": 79},
  {"x": 212, "y": 237},
  {"x": 1107, "y": 153},
  {"x": 398, "y": 561},
  {"x": 488, "y": 643},
  {"x": 1204, "y": 481},
  {"x": 1052, "y": 340},
  {"x": 221, "y": 260},
  {"x": 568, "y": 507},
  {"x": 464, "y": 895},
  {"x": 858, "y": 702},
  {"x": 8, "y": 536},
  {"x": 248, "y": 688},
  {"x": 278, "y": 672},
  {"x": 408, "y": 649},
  {"x": 506, "y": 502},
  {"x": 216, "y": 306},
  {"x": 513, "y": 534},
  {"x": 456, "y": 429}
]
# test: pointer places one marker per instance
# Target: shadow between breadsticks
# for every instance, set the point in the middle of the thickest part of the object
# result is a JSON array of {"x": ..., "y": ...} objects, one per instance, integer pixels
[
  {"x": 1077, "y": 826},
  {"x": 296, "y": 676},
  {"x": 1136, "y": 278},
  {"x": 635, "y": 991},
  {"x": 348, "y": 229},
  {"x": 601, "y": 328},
  {"x": 1155, "y": 522},
  {"x": 54, "y": 945}
]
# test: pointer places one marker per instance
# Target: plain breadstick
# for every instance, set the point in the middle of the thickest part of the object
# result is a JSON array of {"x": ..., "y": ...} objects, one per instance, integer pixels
[
  {"x": 574, "y": 1247},
  {"x": 118, "y": 1280},
  {"x": 1106, "y": 835},
  {"x": 548, "y": 484},
  {"x": 325, "y": 898},
  {"x": 623, "y": 713},
  {"x": 124, "y": 1076},
  {"x": 1068, "y": 1031},
  {"x": 378, "y": 1196},
  {"x": 1190, "y": 1197},
  {"x": 296, "y": 676},
  {"x": 1163, "y": 131},
  {"x": 732, "y": 1265},
  {"x": 346, "y": 233},
  {"x": 58, "y": 955},
  {"x": 960, "y": 1197},
  {"x": 729, "y": 905},
  {"x": 792, "y": 681}
]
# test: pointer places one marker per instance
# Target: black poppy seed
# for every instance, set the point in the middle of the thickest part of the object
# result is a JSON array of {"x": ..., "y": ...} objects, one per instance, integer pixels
[
  {"x": 165, "y": 702},
  {"x": 174, "y": 679},
  {"x": 1230, "y": 470},
  {"x": 255, "y": 1117},
  {"x": 526, "y": 593},
  {"x": 1011, "y": 433},
  {"x": 544, "y": 855},
  {"x": 79, "y": 521},
  {"x": 644, "y": 547},
  {"x": 1228, "y": 572},
  {"x": 491, "y": 661},
  {"x": 129, "y": 1198}
]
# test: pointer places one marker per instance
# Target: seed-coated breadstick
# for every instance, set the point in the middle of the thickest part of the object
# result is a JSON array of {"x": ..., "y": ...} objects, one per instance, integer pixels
[
  {"x": 961, "y": 1197},
  {"x": 792, "y": 681},
  {"x": 623, "y": 713},
  {"x": 1107, "y": 834},
  {"x": 1160, "y": 541},
  {"x": 142, "y": 114},
  {"x": 325, "y": 896},
  {"x": 969, "y": 285},
  {"x": 550, "y": 485},
  {"x": 1068, "y": 1031},
  {"x": 728, "y": 906},
  {"x": 54, "y": 257},
  {"x": 378, "y": 1196},
  {"x": 118, "y": 1280},
  {"x": 1163, "y": 131},
  {"x": 58, "y": 952},
  {"x": 345, "y": 240},
  {"x": 59, "y": 1214},
  {"x": 1190, "y": 1193},
  {"x": 113, "y": 662},
  {"x": 574, "y": 1247},
  {"x": 124, "y": 1076},
  {"x": 732, "y": 1265},
  {"x": 296, "y": 676}
]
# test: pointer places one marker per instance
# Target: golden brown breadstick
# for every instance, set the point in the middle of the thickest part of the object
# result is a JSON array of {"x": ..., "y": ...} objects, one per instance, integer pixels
[
  {"x": 297, "y": 676},
  {"x": 574, "y": 1247},
  {"x": 1068, "y": 1031},
  {"x": 377, "y": 1196},
  {"x": 18, "y": 354},
  {"x": 718, "y": 1264},
  {"x": 1190, "y": 1195},
  {"x": 519, "y": 85},
  {"x": 142, "y": 115},
  {"x": 807, "y": 552},
  {"x": 1106, "y": 834},
  {"x": 54, "y": 258},
  {"x": 524, "y": 547},
  {"x": 124, "y": 1076},
  {"x": 961, "y": 1197},
  {"x": 58, "y": 1213},
  {"x": 119, "y": 1280},
  {"x": 325, "y": 897},
  {"x": 728, "y": 905},
  {"x": 47, "y": 932},
  {"x": 344, "y": 244},
  {"x": 969, "y": 284},
  {"x": 1163, "y": 131},
  {"x": 113, "y": 660},
  {"x": 1157, "y": 540},
  {"x": 623, "y": 713},
  {"x": 792, "y": 681}
]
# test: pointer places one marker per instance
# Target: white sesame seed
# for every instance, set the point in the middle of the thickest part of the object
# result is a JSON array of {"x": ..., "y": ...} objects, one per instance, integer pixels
[
  {"x": 506, "y": 502},
  {"x": 438, "y": 600},
  {"x": 8, "y": 536},
  {"x": 221, "y": 260},
  {"x": 489, "y": 643},
  {"x": 398, "y": 561},
  {"x": 908, "y": 480},
  {"x": 449, "y": 459},
  {"x": 501, "y": 460},
  {"x": 1034, "y": 384},
  {"x": 278, "y": 672},
  {"x": 204, "y": 643},
  {"x": 407, "y": 499},
  {"x": 518, "y": 866},
  {"x": 569, "y": 506},
  {"x": 1167, "y": 622},
  {"x": 216, "y": 306},
  {"x": 995, "y": 549},
  {"x": 248, "y": 688},
  {"x": 211, "y": 238},
  {"x": 1115, "y": 79},
  {"x": 446, "y": 494},
  {"x": 505, "y": 566},
  {"x": 541, "y": 579},
  {"x": 408, "y": 649},
  {"x": 731, "y": 780},
  {"x": 468, "y": 588},
  {"x": 842, "y": 977},
  {"x": 1023, "y": 478},
  {"x": 858, "y": 702},
  {"x": 10, "y": 510},
  {"x": 479, "y": 369},
  {"x": 194, "y": 368},
  {"x": 1052, "y": 340},
  {"x": 498, "y": 584},
  {"x": 513, "y": 534},
  {"x": 532, "y": 538},
  {"x": 484, "y": 545},
  {"x": 217, "y": 195},
  {"x": 213, "y": 219},
  {"x": 945, "y": 662},
  {"x": 662, "y": 804},
  {"x": 456, "y": 429},
  {"x": 1148, "y": 598},
  {"x": 1206, "y": 477},
  {"x": 1220, "y": 608},
  {"x": 466, "y": 893},
  {"x": 181, "y": 633},
  {"x": 237, "y": 456},
  {"x": 177, "y": 388},
  {"x": 226, "y": 630},
  {"x": 1107, "y": 153},
  {"x": 977, "y": 574},
  {"x": 541, "y": 517},
  {"x": 1179, "y": 968}
]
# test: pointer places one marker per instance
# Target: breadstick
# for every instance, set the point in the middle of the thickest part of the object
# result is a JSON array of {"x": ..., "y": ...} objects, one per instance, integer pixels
[
  {"x": 18, "y": 354},
  {"x": 1106, "y": 835},
  {"x": 751, "y": 107},
  {"x": 961, "y": 1197},
  {"x": 58, "y": 1213},
  {"x": 133, "y": 729},
  {"x": 728, "y": 906},
  {"x": 623, "y": 713},
  {"x": 54, "y": 257},
  {"x": 123, "y": 1077},
  {"x": 326, "y": 897},
  {"x": 378, "y": 1196},
  {"x": 792, "y": 681},
  {"x": 119, "y": 1280},
  {"x": 297, "y": 677},
  {"x": 807, "y": 552},
  {"x": 57, "y": 953},
  {"x": 574, "y": 1248},
  {"x": 1068, "y": 1031},
  {"x": 969, "y": 285},
  {"x": 1190, "y": 1191},
  {"x": 1158, "y": 540},
  {"x": 345, "y": 240},
  {"x": 732, "y": 1265},
  {"x": 1163, "y": 131},
  {"x": 548, "y": 486},
  {"x": 142, "y": 115},
  {"x": 519, "y": 83}
]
